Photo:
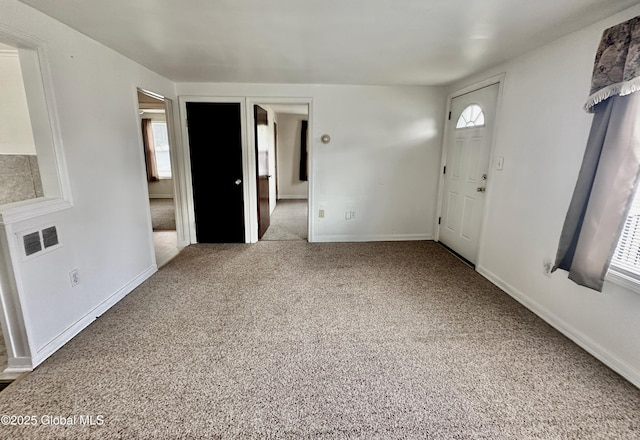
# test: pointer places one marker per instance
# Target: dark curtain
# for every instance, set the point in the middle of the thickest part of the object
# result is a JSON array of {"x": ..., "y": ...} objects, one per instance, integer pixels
[
  {"x": 611, "y": 164},
  {"x": 304, "y": 161},
  {"x": 149, "y": 151}
]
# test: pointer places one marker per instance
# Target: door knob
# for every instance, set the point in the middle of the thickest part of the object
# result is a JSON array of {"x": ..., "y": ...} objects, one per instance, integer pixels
[
  {"x": 481, "y": 189},
  {"x": 238, "y": 181}
]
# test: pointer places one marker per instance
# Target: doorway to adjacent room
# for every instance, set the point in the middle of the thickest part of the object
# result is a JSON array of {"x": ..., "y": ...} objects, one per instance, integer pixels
[{"x": 281, "y": 144}]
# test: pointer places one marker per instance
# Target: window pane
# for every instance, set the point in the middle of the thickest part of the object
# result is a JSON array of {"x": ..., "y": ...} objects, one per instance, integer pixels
[
  {"x": 161, "y": 144},
  {"x": 472, "y": 116},
  {"x": 627, "y": 254}
]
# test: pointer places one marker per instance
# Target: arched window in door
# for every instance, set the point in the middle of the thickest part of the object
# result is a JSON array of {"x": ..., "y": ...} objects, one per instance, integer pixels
[{"x": 472, "y": 116}]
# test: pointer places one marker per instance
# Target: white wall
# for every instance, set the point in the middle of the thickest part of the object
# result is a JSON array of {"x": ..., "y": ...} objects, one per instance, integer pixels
[
  {"x": 106, "y": 234},
  {"x": 289, "y": 184},
  {"x": 16, "y": 135},
  {"x": 382, "y": 162},
  {"x": 542, "y": 132}
]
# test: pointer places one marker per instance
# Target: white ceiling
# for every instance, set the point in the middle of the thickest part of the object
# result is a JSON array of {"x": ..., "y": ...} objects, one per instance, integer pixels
[{"x": 420, "y": 42}]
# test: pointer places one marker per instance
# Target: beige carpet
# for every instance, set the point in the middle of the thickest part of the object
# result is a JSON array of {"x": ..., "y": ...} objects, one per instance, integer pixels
[
  {"x": 288, "y": 221},
  {"x": 165, "y": 245},
  {"x": 163, "y": 214},
  {"x": 291, "y": 340}
]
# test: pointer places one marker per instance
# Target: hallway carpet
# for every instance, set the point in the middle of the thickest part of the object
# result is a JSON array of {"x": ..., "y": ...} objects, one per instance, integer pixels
[
  {"x": 291, "y": 340},
  {"x": 163, "y": 214},
  {"x": 288, "y": 221}
]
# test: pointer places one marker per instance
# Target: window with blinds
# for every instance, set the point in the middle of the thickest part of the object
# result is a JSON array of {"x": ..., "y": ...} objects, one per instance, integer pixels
[{"x": 626, "y": 258}]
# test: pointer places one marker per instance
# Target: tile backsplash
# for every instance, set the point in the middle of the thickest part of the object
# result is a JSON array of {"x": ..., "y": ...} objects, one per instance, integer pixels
[{"x": 19, "y": 178}]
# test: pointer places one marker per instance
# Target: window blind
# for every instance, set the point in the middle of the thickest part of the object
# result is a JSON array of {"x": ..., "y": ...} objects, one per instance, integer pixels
[{"x": 626, "y": 258}]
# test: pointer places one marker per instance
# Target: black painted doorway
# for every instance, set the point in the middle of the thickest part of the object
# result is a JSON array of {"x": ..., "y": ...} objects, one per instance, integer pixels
[{"x": 215, "y": 144}]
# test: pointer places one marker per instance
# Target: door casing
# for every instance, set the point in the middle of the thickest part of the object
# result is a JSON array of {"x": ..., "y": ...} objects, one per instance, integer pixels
[
  {"x": 498, "y": 79},
  {"x": 250, "y": 191},
  {"x": 186, "y": 157}
]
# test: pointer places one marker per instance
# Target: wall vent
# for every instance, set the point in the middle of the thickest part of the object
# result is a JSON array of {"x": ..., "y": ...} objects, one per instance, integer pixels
[
  {"x": 39, "y": 241},
  {"x": 32, "y": 243},
  {"x": 50, "y": 237}
]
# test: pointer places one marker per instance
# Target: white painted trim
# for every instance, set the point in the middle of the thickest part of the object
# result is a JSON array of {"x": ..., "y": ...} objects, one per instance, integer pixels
[
  {"x": 478, "y": 85},
  {"x": 628, "y": 282},
  {"x": 294, "y": 197},
  {"x": 161, "y": 196},
  {"x": 18, "y": 322},
  {"x": 598, "y": 351},
  {"x": 497, "y": 79},
  {"x": 54, "y": 125},
  {"x": 186, "y": 157},
  {"x": 372, "y": 238},
  {"x": 30, "y": 209},
  {"x": 311, "y": 177},
  {"x": 18, "y": 365},
  {"x": 178, "y": 171},
  {"x": 43, "y": 111},
  {"x": 57, "y": 342}
]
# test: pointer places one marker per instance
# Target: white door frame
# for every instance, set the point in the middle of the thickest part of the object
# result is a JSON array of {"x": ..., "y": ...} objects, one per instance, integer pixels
[
  {"x": 176, "y": 166},
  {"x": 253, "y": 197},
  {"x": 178, "y": 170},
  {"x": 498, "y": 79},
  {"x": 250, "y": 190},
  {"x": 186, "y": 157}
]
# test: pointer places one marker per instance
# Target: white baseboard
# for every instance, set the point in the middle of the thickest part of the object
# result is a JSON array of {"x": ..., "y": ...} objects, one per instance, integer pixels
[
  {"x": 294, "y": 197},
  {"x": 359, "y": 238},
  {"x": 161, "y": 196},
  {"x": 19, "y": 365},
  {"x": 589, "y": 345},
  {"x": 56, "y": 343}
]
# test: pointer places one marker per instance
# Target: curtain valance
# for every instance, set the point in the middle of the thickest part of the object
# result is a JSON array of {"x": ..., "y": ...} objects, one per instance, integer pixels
[{"x": 616, "y": 70}]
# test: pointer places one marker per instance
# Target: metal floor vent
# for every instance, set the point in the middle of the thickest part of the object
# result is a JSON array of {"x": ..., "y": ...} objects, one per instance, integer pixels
[{"x": 38, "y": 241}]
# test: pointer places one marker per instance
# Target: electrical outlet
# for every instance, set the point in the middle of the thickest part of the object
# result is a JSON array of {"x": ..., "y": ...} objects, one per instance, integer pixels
[
  {"x": 547, "y": 265},
  {"x": 74, "y": 277}
]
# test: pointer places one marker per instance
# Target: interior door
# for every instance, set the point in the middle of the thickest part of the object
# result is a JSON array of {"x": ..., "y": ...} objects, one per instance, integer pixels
[
  {"x": 215, "y": 144},
  {"x": 262, "y": 168},
  {"x": 467, "y": 170}
]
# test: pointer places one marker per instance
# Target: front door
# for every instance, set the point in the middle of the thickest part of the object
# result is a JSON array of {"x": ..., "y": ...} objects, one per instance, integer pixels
[
  {"x": 467, "y": 170},
  {"x": 215, "y": 144},
  {"x": 262, "y": 168}
]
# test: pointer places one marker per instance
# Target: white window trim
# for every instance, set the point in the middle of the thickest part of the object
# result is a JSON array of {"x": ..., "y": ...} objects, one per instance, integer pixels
[
  {"x": 45, "y": 124},
  {"x": 623, "y": 279}
]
